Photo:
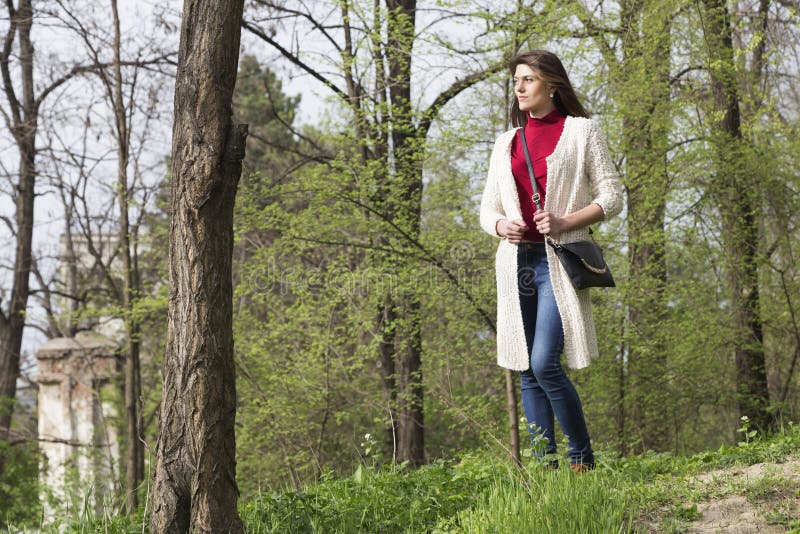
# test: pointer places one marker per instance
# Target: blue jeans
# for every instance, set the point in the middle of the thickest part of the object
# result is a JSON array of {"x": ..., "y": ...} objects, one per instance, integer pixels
[{"x": 546, "y": 390}]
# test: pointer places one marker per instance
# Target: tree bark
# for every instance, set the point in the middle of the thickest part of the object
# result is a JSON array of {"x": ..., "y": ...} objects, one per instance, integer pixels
[
  {"x": 134, "y": 458},
  {"x": 386, "y": 366},
  {"x": 513, "y": 417},
  {"x": 194, "y": 487},
  {"x": 24, "y": 125},
  {"x": 408, "y": 150},
  {"x": 739, "y": 205},
  {"x": 512, "y": 407}
]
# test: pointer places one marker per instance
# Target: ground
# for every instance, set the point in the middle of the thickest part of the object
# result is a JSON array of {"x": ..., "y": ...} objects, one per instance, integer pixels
[{"x": 762, "y": 498}]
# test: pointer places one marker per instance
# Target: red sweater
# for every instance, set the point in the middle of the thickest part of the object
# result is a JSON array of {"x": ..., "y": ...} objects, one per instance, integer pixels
[{"x": 542, "y": 136}]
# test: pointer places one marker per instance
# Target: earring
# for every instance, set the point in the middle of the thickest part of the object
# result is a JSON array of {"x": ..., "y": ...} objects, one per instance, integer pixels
[{"x": 551, "y": 95}]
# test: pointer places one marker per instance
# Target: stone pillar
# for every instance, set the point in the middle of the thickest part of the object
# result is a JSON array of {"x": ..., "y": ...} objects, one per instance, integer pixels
[{"x": 77, "y": 431}]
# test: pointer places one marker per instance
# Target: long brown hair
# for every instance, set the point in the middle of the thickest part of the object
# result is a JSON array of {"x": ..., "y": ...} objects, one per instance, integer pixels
[{"x": 548, "y": 68}]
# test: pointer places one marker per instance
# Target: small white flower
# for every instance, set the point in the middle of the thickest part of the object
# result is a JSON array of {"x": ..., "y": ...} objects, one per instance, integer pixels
[{"x": 367, "y": 436}]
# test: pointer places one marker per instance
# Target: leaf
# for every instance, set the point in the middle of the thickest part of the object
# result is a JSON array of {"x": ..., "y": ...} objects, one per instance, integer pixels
[{"x": 358, "y": 476}]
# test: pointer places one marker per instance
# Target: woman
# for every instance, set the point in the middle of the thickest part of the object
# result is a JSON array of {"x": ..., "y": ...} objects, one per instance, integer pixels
[{"x": 539, "y": 313}]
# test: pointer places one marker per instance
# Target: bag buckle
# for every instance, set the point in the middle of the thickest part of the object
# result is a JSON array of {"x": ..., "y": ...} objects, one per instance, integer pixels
[{"x": 553, "y": 243}]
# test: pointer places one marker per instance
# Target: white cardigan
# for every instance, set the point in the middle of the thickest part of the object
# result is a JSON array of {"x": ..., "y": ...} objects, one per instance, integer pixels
[{"x": 579, "y": 172}]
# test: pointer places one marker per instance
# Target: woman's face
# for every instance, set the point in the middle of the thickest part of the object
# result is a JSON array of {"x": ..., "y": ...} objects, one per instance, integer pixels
[{"x": 532, "y": 93}]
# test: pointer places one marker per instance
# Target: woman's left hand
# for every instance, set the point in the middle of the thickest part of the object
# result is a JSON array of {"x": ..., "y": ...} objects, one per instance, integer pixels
[{"x": 549, "y": 223}]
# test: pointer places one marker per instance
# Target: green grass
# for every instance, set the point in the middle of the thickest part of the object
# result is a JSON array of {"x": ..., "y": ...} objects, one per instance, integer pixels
[
  {"x": 551, "y": 502},
  {"x": 481, "y": 494},
  {"x": 390, "y": 500}
]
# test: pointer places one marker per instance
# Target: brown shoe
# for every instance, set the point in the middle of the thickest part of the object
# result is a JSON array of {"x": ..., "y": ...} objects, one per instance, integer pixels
[{"x": 581, "y": 468}]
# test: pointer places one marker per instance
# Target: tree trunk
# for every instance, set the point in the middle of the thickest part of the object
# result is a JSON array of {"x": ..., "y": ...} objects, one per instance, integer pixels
[
  {"x": 739, "y": 204},
  {"x": 24, "y": 113},
  {"x": 512, "y": 406},
  {"x": 134, "y": 459},
  {"x": 373, "y": 144},
  {"x": 406, "y": 192},
  {"x": 513, "y": 416},
  {"x": 411, "y": 423},
  {"x": 386, "y": 366},
  {"x": 194, "y": 487},
  {"x": 644, "y": 106}
]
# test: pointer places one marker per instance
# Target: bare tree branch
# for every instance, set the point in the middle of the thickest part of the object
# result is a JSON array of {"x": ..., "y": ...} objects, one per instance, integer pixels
[
  {"x": 293, "y": 58},
  {"x": 96, "y": 68},
  {"x": 305, "y": 15},
  {"x": 451, "y": 92}
]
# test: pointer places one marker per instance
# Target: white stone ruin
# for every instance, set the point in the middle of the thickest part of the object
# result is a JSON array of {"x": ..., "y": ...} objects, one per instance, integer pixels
[{"x": 77, "y": 433}]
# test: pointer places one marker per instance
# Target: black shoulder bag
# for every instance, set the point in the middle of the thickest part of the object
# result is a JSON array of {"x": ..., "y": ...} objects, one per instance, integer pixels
[{"x": 582, "y": 260}]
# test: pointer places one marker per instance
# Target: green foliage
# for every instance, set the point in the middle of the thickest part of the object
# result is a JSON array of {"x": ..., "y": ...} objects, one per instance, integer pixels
[
  {"x": 395, "y": 500},
  {"x": 19, "y": 484},
  {"x": 302, "y": 316},
  {"x": 317, "y": 256},
  {"x": 87, "y": 522}
]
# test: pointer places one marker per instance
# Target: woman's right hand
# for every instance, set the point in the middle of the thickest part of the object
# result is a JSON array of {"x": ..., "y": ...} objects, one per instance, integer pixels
[{"x": 511, "y": 230}]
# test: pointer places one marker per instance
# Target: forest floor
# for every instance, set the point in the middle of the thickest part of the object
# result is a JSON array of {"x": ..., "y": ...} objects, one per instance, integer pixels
[
  {"x": 760, "y": 498},
  {"x": 752, "y": 486}
]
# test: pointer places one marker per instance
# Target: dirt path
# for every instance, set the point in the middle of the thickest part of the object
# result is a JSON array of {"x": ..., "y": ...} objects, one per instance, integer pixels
[
  {"x": 767, "y": 499},
  {"x": 761, "y": 498}
]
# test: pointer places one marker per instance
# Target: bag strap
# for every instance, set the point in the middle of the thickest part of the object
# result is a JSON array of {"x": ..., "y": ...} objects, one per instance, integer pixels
[
  {"x": 535, "y": 187},
  {"x": 535, "y": 197}
]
